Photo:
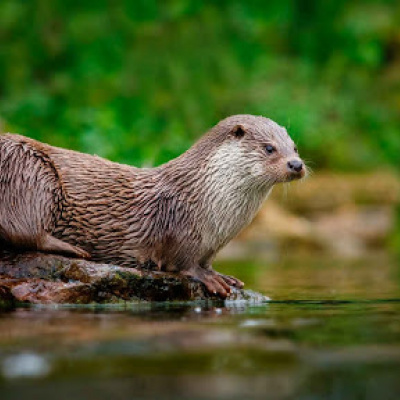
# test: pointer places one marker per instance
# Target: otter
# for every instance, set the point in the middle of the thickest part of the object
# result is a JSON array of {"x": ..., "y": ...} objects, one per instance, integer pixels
[{"x": 176, "y": 216}]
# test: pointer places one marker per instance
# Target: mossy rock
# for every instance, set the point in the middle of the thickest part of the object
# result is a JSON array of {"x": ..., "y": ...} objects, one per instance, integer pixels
[{"x": 32, "y": 277}]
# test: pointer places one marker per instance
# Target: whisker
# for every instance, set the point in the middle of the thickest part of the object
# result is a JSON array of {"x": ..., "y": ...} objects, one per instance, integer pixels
[
  {"x": 285, "y": 191},
  {"x": 308, "y": 174},
  {"x": 308, "y": 162},
  {"x": 309, "y": 169}
]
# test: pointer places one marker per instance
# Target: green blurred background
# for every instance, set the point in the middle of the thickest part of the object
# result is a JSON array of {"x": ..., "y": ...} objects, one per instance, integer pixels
[{"x": 139, "y": 81}]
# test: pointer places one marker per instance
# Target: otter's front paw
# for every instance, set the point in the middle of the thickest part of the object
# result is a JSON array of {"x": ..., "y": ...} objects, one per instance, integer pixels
[
  {"x": 215, "y": 283},
  {"x": 231, "y": 280}
]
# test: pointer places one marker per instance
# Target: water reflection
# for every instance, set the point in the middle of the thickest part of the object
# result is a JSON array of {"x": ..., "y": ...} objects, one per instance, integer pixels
[{"x": 319, "y": 338}]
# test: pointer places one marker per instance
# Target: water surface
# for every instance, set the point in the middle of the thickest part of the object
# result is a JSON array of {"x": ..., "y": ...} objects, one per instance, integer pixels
[{"x": 331, "y": 331}]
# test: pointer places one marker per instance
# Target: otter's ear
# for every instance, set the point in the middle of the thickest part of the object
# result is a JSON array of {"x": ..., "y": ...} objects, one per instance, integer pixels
[{"x": 238, "y": 131}]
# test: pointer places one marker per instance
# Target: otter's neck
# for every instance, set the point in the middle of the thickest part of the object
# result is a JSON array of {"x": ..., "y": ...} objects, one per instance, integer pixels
[
  {"x": 232, "y": 195},
  {"x": 219, "y": 184}
]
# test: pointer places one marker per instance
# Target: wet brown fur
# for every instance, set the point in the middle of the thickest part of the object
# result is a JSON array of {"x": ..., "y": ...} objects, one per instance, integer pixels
[{"x": 58, "y": 200}]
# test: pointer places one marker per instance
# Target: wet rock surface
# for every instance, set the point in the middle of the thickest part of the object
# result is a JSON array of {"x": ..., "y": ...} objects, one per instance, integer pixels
[{"x": 33, "y": 277}]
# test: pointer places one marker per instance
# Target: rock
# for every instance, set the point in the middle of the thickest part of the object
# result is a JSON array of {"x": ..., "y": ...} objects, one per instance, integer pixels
[
  {"x": 351, "y": 231},
  {"x": 273, "y": 220},
  {"x": 7, "y": 300},
  {"x": 33, "y": 277},
  {"x": 273, "y": 228},
  {"x": 324, "y": 192},
  {"x": 346, "y": 216},
  {"x": 348, "y": 232}
]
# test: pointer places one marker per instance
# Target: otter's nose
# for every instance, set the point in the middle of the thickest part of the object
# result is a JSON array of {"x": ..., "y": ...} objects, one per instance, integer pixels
[{"x": 295, "y": 165}]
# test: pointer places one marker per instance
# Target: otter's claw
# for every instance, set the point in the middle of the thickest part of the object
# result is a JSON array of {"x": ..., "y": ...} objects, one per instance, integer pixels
[
  {"x": 231, "y": 280},
  {"x": 214, "y": 283}
]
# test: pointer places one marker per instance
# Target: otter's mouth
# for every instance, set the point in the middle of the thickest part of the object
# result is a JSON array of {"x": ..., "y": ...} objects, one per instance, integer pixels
[{"x": 291, "y": 176}]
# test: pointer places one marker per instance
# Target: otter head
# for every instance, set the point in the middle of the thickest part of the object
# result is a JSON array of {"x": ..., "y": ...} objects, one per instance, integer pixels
[{"x": 259, "y": 150}]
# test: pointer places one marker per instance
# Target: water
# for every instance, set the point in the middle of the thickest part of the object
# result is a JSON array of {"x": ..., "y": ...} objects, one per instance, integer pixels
[{"x": 331, "y": 331}]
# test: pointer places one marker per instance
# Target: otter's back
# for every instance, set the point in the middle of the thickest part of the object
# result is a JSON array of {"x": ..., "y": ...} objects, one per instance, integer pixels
[
  {"x": 100, "y": 202},
  {"x": 78, "y": 198}
]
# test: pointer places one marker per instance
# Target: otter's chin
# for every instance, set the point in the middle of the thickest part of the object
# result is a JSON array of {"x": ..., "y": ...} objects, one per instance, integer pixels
[{"x": 294, "y": 176}]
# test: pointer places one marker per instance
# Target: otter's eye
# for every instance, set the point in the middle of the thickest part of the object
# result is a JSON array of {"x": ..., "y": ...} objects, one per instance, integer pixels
[
  {"x": 270, "y": 149},
  {"x": 296, "y": 150}
]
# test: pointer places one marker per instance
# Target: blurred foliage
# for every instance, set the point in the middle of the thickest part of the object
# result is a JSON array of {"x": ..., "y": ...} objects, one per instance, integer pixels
[{"x": 138, "y": 81}]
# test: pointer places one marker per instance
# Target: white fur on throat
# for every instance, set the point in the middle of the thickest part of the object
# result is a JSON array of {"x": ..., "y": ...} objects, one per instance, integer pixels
[{"x": 235, "y": 190}]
